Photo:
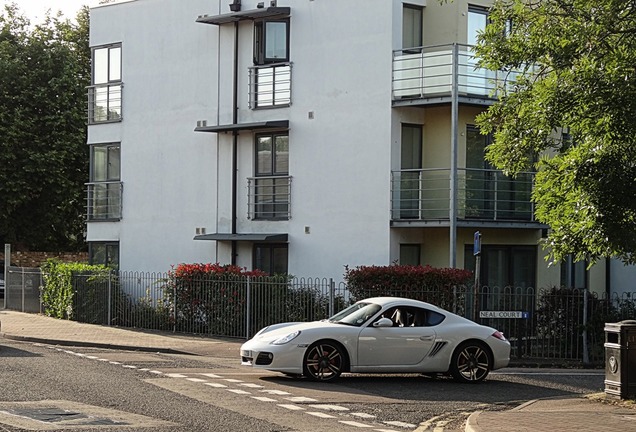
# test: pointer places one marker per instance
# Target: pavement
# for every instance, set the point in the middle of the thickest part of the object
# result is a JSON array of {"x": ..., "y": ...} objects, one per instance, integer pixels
[{"x": 570, "y": 414}]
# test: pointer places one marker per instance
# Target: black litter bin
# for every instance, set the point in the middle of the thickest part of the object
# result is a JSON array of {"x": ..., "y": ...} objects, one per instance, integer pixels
[{"x": 620, "y": 359}]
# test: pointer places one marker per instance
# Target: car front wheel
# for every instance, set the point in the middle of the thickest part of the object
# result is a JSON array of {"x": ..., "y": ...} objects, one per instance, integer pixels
[
  {"x": 324, "y": 361},
  {"x": 471, "y": 362}
]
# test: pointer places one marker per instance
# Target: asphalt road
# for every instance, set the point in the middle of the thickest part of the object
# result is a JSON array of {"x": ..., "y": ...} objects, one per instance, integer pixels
[{"x": 161, "y": 392}]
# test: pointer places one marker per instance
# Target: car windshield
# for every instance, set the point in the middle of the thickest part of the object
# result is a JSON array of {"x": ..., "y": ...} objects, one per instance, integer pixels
[{"x": 356, "y": 314}]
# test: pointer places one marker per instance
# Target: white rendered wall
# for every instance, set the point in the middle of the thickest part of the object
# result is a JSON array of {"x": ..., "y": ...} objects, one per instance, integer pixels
[{"x": 340, "y": 161}]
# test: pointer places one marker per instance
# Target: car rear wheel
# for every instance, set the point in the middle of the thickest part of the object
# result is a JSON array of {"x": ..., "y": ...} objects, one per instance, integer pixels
[
  {"x": 324, "y": 361},
  {"x": 471, "y": 362}
]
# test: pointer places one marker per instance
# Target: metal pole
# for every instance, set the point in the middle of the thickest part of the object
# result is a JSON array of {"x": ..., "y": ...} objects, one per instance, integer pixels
[
  {"x": 332, "y": 294},
  {"x": 248, "y": 307},
  {"x": 453, "y": 162},
  {"x": 586, "y": 355},
  {"x": 110, "y": 296},
  {"x": 7, "y": 264},
  {"x": 476, "y": 287}
]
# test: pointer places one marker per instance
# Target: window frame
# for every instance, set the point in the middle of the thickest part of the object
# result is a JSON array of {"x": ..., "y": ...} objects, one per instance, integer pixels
[
  {"x": 109, "y": 48},
  {"x": 420, "y": 38},
  {"x": 108, "y": 154},
  {"x": 270, "y": 248},
  {"x": 108, "y": 245},
  {"x": 109, "y": 188},
  {"x": 260, "y": 42}
]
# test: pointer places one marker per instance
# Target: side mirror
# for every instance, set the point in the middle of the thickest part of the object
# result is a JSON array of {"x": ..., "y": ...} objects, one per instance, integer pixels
[{"x": 383, "y": 322}]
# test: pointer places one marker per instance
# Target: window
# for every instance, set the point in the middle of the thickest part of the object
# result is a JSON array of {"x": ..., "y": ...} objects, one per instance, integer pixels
[
  {"x": 271, "y": 258},
  {"x": 270, "y": 78},
  {"x": 574, "y": 274},
  {"x": 271, "y": 42},
  {"x": 270, "y": 193},
  {"x": 105, "y": 253},
  {"x": 410, "y": 165},
  {"x": 410, "y": 254},
  {"x": 504, "y": 266},
  {"x": 408, "y": 316},
  {"x": 105, "y": 93},
  {"x": 105, "y": 188},
  {"x": 411, "y": 27}
]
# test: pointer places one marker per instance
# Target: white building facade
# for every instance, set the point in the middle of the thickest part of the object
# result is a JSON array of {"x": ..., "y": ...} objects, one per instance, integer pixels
[{"x": 300, "y": 136}]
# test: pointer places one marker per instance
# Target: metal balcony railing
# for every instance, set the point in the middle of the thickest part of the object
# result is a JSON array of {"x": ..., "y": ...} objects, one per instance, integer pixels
[
  {"x": 104, "y": 103},
  {"x": 429, "y": 71},
  {"x": 104, "y": 200},
  {"x": 270, "y": 86},
  {"x": 269, "y": 197},
  {"x": 482, "y": 194}
]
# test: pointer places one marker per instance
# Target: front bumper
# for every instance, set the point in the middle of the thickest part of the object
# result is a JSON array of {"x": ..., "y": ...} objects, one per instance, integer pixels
[{"x": 287, "y": 358}]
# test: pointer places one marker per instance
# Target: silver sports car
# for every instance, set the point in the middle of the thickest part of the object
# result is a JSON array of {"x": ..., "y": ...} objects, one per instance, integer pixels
[{"x": 380, "y": 335}]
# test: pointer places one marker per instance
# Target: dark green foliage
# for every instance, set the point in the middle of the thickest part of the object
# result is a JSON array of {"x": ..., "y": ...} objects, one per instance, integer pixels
[
  {"x": 434, "y": 285},
  {"x": 579, "y": 60},
  {"x": 44, "y": 70}
]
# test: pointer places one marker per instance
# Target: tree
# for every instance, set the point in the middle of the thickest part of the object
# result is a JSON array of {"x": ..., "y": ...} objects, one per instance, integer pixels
[
  {"x": 574, "y": 104},
  {"x": 44, "y": 71}
]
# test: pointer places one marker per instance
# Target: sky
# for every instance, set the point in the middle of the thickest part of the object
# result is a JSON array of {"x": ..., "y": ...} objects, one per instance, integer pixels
[{"x": 36, "y": 9}]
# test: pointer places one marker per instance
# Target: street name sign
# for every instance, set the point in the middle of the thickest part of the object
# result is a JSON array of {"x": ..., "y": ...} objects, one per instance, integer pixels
[{"x": 503, "y": 314}]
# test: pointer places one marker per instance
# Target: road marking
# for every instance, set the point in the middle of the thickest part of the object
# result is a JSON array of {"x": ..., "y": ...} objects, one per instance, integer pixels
[
  {"x": 130, "y": 367},
  {"x": 292, "y": 407},
  {"x": 211, "y": 375},
  {"x": 276, "y": 392},
  {"x": 250, "y": 385},
  {"x": 216, "y": 385},
  {"x": 363, "y": 415},
  {"x": 176, "y": 375},
  {"x": 354, "y": 423},
  {"x": 320, "y": 414},
  {"x": 301, "y": 399},
  {"x": 400, "y": 424},
  {"x": 384, "y": 430},
  {"x": 114, "y": 362},
  {"x": 264, "y": 399},
  {"x": 241, "y": 392},
  {"x": 330, "y": 407},
  {"x": 156, "y": 372},
  {"x": 196, "y": 380},
  {"x": 232, "y": 380}
]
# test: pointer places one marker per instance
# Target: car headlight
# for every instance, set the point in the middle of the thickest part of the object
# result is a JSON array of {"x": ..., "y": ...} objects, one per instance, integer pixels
[{"x": 285, "y": 339}]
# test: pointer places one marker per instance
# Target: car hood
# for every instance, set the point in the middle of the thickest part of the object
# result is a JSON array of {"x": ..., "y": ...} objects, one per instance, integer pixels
[{"x": 276, "y": 331}]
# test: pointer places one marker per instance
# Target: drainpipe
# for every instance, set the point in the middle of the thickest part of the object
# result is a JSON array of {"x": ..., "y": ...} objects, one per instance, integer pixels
[
  {"x": 453, "y": 162},
  {"x": 235, "y": 142}
]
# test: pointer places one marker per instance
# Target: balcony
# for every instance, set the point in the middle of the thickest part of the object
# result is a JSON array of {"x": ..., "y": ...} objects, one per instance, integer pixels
[
  {"x": 104, "y": 201},
  {"x": 270, "y": 86},
  {"x": 269, "y": 198},
  {"x": 426, "y": 75},
  {"x": 482, "y": 196},
  {"x": 104, "y": 103}
]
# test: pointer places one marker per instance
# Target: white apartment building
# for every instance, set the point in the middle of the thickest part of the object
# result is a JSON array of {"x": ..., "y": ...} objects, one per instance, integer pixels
[{"x": 301, "y": 136}]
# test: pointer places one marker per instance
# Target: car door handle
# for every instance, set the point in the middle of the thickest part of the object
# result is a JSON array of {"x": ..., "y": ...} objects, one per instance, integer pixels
[{"x": 427, "y": 338}]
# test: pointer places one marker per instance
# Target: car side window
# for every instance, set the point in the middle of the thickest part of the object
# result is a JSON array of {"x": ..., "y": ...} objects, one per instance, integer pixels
[{"x": 434, "y": 318}]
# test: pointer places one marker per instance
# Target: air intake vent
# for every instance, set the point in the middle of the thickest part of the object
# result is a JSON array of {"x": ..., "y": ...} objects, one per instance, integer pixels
[{"x": 437, "y": 348}]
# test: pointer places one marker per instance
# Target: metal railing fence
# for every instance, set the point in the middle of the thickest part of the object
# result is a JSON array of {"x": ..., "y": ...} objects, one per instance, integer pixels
[
  {"x": 269, "y": 197},
  {"x": 104, "y": 200},
  {"x": 555, "y": 324},
  {"x": 270, "y": 85},
  {"x": 105, "y": 103},
  {"x": 485, "y": 194}
]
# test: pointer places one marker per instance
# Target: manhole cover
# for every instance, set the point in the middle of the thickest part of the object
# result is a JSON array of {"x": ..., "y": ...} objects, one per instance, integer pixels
[{"x": 55, "y": 414}]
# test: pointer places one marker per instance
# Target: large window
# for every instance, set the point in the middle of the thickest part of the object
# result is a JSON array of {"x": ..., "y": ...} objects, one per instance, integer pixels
[
  {"x": 105, "y": 253},
  {"x": 411, "y": 26},
  {"x": 271, "y": 42},
  {"x": 410, "y": 254},
  {"x": 505, "y": 265},
  {"x": 270, "y": 192},
  {"x": 105, "y": 187},
  {"x": 574, "y": 274},
  {"x": 271, "y": 258},
  {"x": 410, "y": 176},
  {"x": 106, "y": 89}
]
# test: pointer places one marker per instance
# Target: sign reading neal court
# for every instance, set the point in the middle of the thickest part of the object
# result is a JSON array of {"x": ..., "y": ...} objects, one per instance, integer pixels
[{"x": 504, "y": 314}]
